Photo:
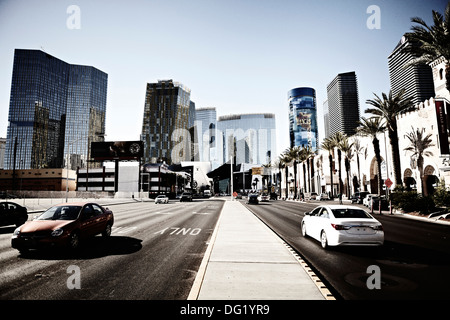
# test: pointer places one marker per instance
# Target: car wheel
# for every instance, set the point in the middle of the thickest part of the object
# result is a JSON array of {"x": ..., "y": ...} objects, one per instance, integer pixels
[
  {"x": 74, "y": 241},
  {"x": 324, "y": 240},
  {"x": 107, "y": 231},
  {"x": 304, "y": 230}
]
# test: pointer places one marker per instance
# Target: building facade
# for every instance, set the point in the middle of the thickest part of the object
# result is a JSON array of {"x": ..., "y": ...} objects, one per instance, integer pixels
[
  {"x": 417, "y": 80},
  {"x": 303, "y": 128},
  {"x": 248, "y": 138},
  {"x": 206, "y": 122},
  {"x": 55, "y": 110},
  {"x": 343, "y": 104},
  {"x": 166, "y": 123}
]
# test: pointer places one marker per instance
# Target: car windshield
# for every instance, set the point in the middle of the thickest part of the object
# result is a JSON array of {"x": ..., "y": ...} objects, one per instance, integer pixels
[
  {"x": 350, "y": 213},
  {"x": 60, "y": 213}
]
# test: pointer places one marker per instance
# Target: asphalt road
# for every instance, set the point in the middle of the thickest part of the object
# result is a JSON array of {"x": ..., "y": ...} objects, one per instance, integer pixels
[
  {"x": 154, "y": 253},
  {"x": 414, "y": 262}
]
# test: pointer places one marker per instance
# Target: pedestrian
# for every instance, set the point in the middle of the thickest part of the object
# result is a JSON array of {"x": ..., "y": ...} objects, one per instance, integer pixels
[{"x": 340, "y": 198}]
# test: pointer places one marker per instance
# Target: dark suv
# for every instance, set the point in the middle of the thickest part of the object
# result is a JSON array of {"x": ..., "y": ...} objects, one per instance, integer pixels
[
  {"x": 186, "y": 196},
  {"x": 359, "y": 196}
]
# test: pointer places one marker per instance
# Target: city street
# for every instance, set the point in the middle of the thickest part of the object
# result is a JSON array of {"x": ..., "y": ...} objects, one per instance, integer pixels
[
  {"x": 414, "y": 261},
  {"x": 154, "y": 252}
]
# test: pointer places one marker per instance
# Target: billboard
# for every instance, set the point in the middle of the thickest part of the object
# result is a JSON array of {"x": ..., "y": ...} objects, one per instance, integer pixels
[
  {"x": 117, "y": 150},
  {"x": 305, "y": 128}
]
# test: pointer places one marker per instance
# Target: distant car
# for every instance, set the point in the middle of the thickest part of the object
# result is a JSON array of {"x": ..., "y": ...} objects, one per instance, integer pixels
[
  {"x": 336, "y": 225},
  {"x": 186, "y": 196},
  {"x": 323, "y": 196},
  {"x": 311, "y": 196},
  {"x": 358, "y": 197},
  {"x": 367, "y": 199},
  {"x": 252, "y": 198},
  {"x": 161, "y": 199},
  {"x": 375, "y": 202},
  {"x": 264, "y": 197},
  {"x": 6, "y": 195},
  {"x": 64, "y": 225},
  {"x": 12, "y": 214}
]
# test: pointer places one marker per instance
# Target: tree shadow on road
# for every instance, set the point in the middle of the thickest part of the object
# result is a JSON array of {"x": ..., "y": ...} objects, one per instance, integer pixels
[{"x": 92, "y": 248}]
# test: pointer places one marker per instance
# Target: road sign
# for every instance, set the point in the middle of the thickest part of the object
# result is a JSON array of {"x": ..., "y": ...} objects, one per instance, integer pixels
[{"x": 388, "y": 183}]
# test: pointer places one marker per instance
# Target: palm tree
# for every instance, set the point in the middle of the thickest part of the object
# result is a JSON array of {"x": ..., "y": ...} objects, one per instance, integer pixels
[
  {"x": 433, "y": 42},
  {"x": 293, "y": 153},
  {"x": 346, "y": 147},
  {"x": 337, "y": 139},
  {"x": 389, "y": 108},
  {"x": 358, "y": 150},
  {"x": 284, "y": 161},
  {"x": 329, "y": 145},
  {"x": 306, "y": 154},
  {"x": 418, "y": 146},
  {"x": 371, "y": 128}
]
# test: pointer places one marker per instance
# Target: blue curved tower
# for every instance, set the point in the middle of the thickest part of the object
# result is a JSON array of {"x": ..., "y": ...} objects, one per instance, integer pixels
[{"x": 303, "y": 130}]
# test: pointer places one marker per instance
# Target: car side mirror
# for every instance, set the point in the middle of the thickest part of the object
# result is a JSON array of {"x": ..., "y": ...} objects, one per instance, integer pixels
[{"x": 307, "y": 213}]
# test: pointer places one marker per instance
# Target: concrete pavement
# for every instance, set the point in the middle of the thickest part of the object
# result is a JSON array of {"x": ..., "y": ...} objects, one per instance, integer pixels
[{"x": 245, "y": 260}]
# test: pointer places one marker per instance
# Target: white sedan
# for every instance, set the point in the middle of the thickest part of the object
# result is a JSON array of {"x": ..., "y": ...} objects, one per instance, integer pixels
[
  {"x": 161, "y": 199},
  {"x": 335, "y": 225}
]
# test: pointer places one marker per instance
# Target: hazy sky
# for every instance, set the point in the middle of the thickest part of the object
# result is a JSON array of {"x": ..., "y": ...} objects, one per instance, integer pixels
[{"x": 239, "y": 56}]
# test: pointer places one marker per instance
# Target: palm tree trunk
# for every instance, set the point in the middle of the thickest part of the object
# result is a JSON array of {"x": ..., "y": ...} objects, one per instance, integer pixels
[
  {"x": 393, "y": 138},
  {"x": 340, "y": 177},
  {"x": 286, "y": 172},
  {"x": 347, "y": 170},
  {"x": 295, "y": 179},
  {"x": 376, "y": 146},
  {"x": 330, "y": 158}
]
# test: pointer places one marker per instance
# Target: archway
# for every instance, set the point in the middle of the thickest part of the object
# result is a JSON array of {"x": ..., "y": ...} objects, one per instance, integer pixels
[
  {"x": 408, "y": 180},
  {"x": 430, "y": 180}
]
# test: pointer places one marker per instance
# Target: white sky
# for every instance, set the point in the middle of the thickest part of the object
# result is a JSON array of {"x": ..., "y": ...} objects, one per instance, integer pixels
[{"x": 239, "y": 56}]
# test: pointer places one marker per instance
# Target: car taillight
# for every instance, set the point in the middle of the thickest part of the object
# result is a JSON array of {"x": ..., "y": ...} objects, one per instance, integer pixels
[
  {"x": 378, "y": 227},
  {"x": 339, "y": 227}
]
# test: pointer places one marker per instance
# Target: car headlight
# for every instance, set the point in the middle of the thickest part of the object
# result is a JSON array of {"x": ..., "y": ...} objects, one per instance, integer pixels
[
  {"x": 57, "y": 232},
  {"x": 16, "y": 232}
]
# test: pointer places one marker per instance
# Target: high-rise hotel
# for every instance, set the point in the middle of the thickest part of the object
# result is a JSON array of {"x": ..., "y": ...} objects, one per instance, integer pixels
[
  {"x": 56, "y": 109},
  {"x": 303, "y": 130},
  {"x": 417, "y": 80},
  {"x": 168, "y": 129},
  {"x": 343, "y": 104}
]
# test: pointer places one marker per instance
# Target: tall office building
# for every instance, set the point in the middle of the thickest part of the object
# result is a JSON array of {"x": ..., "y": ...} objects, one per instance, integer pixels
[
  {"x": 303, "y": 129},
  {"x": 417, "y": 80},
  {"x": 56, "y": 109},
  {"x": 326, "y": 119},
  {"x": 248, "y": 138},
  {"x": 206, "y": 119},
  {"x": 343, "y": 104},
  {"x": 167, "y": 123}
]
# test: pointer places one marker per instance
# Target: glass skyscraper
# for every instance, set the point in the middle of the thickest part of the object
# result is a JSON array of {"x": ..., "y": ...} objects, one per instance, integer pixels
[
  {"x": 249, "y": 138},
  {"x": 206, "y": 122},
  {"x": 167, "y": 130},
  {"x": 303, "y": 130},
  {"x": 56, "y": 109}
]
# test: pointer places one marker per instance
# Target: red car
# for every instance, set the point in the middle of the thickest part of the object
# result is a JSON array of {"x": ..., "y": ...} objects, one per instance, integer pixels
[{"x": 64, "y": 225}]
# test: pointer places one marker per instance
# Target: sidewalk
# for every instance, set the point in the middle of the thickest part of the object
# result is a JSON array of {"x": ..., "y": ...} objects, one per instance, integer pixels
[{"x": 245, "y": 260}]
